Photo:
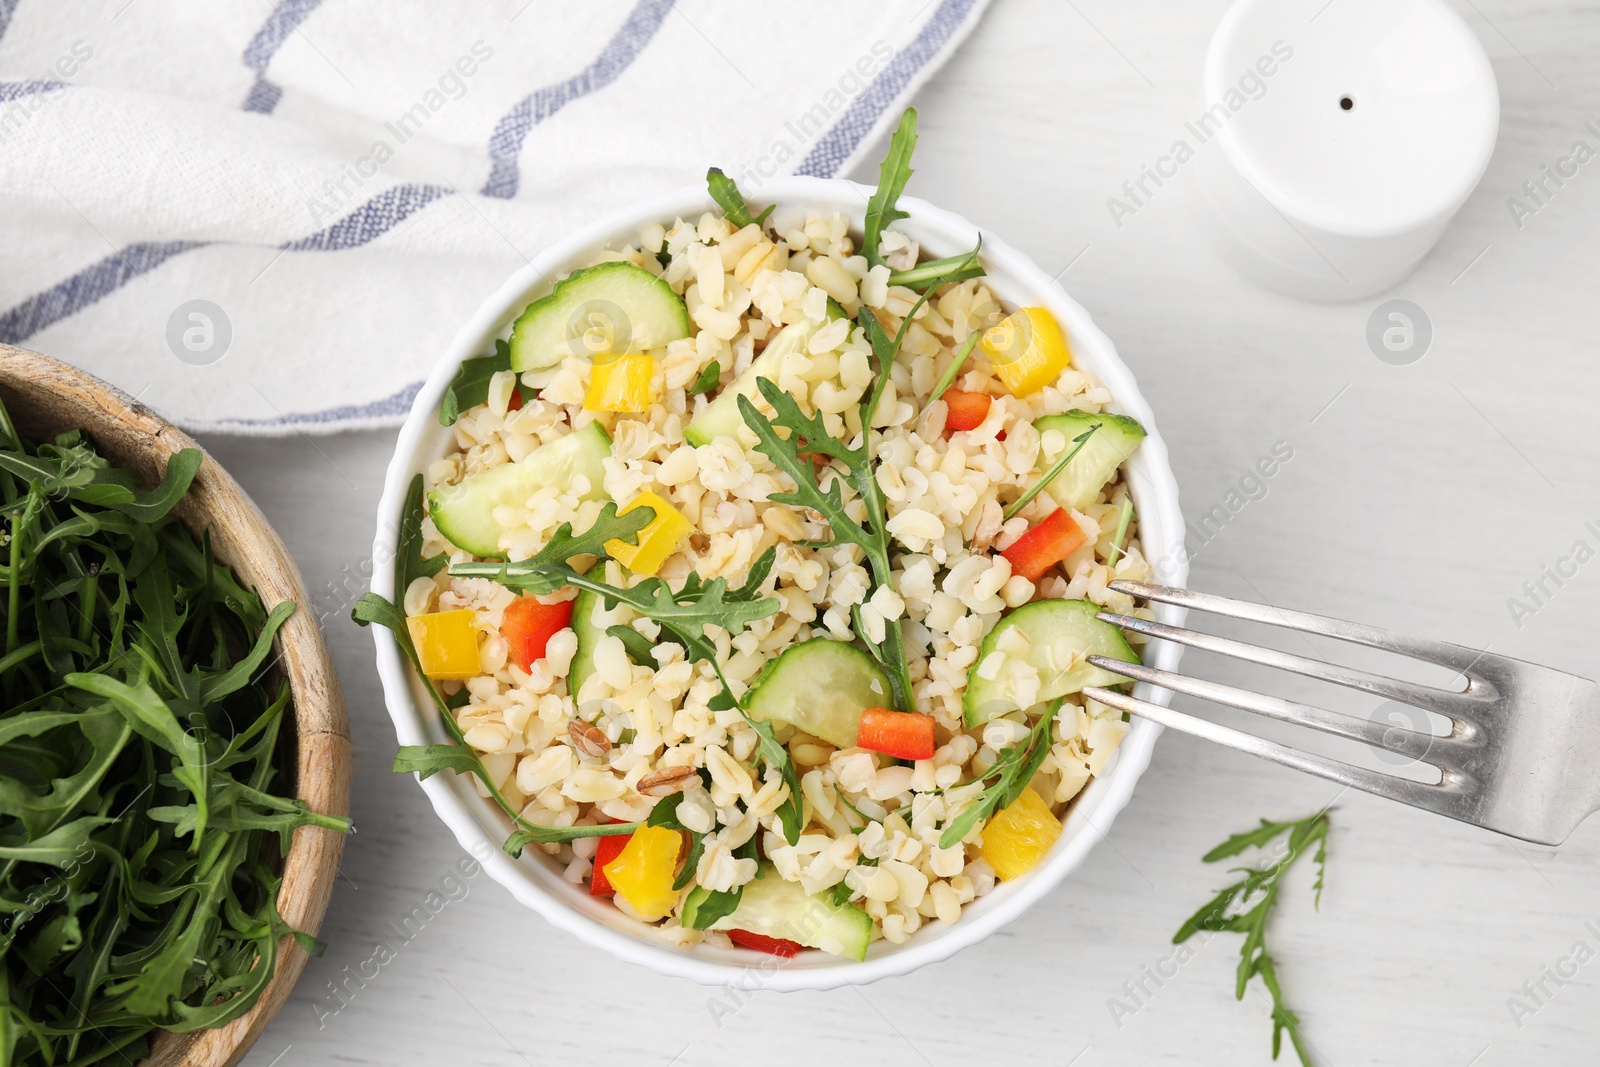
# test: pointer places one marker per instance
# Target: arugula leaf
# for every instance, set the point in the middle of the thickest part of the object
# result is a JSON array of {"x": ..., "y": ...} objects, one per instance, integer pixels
[
  {"x": 408, "y": 562},
  {"x": 111, "y": 489},
  {"x": 470, "y": 386},
  {"x": 549, "y": 569},
  {"x": 683, "y": 614},
  {"x": 151, "y": 718},
  {"x": 808, "y": 433},
  {"x": 665, "y": 814},
  {"x": 1011, "y": 773},
  {"x": 637, "y": 645},
  {"x": 1244, "y": 906},
  {"x": 141, "y": 819},
  {"x": 726, "y": 193},
  {"x": 708, "y": 379},
  {"x": 846, "y": 802},
  {"x": 58, "y": 848},
  {"x": 686, "y": 613},
  {"x": 425, "y": 761},
  {"x": 222, "y": 683},
  {"x": 775, "y": 757},
  {"x": 893, "y": 174},
  {"x": 428, "y": 760},
  {"x": 715, "y": 904},
  {"x": 534, "y": 834}
]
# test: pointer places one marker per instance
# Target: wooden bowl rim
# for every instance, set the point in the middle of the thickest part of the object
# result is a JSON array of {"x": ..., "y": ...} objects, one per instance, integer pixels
[{"x": 46, "y": 395}]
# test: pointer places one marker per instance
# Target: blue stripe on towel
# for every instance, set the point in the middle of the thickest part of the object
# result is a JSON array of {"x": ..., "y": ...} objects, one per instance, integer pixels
[
  {"x": 93, "y": 283},
  {"x": 829, "y": 153},
  {"x": 7, "y": 9},
  {"x": 16, "y": 90},
  {"x": 396, "y": 405},
  {"x": 505, "y": 144},
  {"x": 99, "y": 280},
  {"x": 284, "y": 20},
  {"x": 373, "y": 219}
]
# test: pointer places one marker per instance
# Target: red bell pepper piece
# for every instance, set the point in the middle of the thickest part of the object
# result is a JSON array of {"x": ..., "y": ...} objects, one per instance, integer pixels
[
  {"x": 609, "y": 848},
  {"x": 966, "y": 410},
  {"x": 516, "y": 400},
  {"x": 1052, "y": 540},
  {"x": 762, "y": 943},
  {"x": 528, "y": 626},
  {"x": 901, "y": 734}
]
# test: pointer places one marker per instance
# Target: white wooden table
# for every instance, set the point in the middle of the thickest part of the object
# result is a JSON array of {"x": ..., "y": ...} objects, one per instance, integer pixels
[{"x": 1421, "y": 497}]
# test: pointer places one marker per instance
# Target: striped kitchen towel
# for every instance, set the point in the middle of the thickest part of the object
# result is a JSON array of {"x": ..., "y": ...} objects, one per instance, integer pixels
[{"x": 271, "y": 218}]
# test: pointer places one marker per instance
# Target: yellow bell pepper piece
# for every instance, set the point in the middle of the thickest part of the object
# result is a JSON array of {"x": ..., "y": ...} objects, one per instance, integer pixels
[
  {"x": 658, "y": 540},
  {"x": 620, "y": 383},
  {"x": 643, "y": 872},
  {"x": 1027, "y": 350},
  {"x": 1019, "y": 836},
  {"x": 447, "y": 644}
]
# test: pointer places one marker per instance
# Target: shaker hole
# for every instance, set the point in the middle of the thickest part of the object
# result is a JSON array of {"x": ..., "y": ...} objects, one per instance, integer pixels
[{"x": 1345, "y": 103}]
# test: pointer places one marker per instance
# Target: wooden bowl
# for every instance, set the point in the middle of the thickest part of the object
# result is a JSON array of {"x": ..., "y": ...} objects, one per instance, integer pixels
[{"x": 46, "y": 397}]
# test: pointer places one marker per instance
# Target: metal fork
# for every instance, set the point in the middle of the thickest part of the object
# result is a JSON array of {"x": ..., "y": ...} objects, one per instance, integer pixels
[{"x": 1522, "y": 756}]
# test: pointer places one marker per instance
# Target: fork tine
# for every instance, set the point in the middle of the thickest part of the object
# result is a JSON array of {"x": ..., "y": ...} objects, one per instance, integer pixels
[
  {"x": 1456, "y": 657},
  {"x": 1456, "y": 703},
  {"x": 1434, "y": 798},
  {"x": 1407, "y": 742}
]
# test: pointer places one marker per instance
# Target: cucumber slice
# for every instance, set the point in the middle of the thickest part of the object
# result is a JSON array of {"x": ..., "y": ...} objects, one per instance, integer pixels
[
  {"x": 464, "y": 512},
  {"x": 586, "y": 630},
  {"x": 721, "y": 417},
  {"x": 820, "y": 686},
  {"x": 628, "y": 304},
  {"x": 773, "y": 907},
  {"x": 1117, "y": 438},
  {"x": 1056, "y": 630}
]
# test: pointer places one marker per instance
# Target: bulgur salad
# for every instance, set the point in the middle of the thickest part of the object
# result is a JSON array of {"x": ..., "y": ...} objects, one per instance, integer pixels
[{"x": 758, "y": 586}]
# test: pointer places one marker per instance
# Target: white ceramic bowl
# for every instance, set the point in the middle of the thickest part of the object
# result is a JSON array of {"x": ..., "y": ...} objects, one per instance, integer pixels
[{"x": 481, "y": 828}]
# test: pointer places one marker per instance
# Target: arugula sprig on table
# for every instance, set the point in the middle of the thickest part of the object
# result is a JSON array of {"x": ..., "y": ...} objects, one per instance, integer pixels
[
  {"x": 1244, "y": 906},
  {"x": 1012, "y": 772},
  {"x": 140, "y": 815}
]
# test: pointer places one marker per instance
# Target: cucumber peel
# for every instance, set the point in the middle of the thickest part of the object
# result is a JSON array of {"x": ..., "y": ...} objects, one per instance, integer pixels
[
  {"x": 820, "y": 686},
  {"x": 464, "y": 512},
  {"x": 1105, "y": 451},
  {"x": 774, "y": 907},
  {"x": 609, "y": 308},
  {"x": 721, "y": 417},
  {"x": 1059, "y": 633}
]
